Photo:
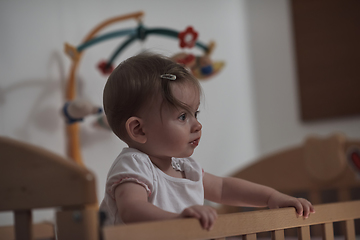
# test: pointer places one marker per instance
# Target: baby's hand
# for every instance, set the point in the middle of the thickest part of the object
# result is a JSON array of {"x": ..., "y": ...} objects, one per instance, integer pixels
[
  {"x": 207, "y": 215},
  {"x": 303, "y": 207}
]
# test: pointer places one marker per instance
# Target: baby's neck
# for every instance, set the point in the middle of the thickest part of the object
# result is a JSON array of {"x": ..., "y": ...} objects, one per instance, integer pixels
[
  {"x": 166, "y": 167},
  {"x": 164, "y": 164}
]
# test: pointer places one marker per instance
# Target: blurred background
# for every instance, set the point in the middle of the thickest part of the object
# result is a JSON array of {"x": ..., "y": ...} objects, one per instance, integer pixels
[{"x": 250, "y": 109}]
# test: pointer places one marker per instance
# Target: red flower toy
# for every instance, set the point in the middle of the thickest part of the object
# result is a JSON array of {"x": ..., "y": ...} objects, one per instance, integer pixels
[
  {"x": 105, "y": 68},
  {"x": 187, "y": 60},
  {"x": 188, "y": 38}
]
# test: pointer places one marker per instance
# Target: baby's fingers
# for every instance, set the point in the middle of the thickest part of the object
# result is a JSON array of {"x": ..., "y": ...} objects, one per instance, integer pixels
[
  {"x": 312, "y": 209},
  {"x": 299, "y": 208},
  {"x": 307, "y": 208},
  {"x": 206, "y": 215},
  {"x": 208, "y": 219}
]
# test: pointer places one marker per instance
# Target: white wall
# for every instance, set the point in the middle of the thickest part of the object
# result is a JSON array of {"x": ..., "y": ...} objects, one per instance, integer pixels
[
  {"x": 277, "y": 115},
  {"x": 34, "y": 70},
  {"x": 250, "y": 108}
]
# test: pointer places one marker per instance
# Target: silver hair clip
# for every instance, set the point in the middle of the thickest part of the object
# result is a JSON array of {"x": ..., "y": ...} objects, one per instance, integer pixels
[{"x": 168, "y": 76}]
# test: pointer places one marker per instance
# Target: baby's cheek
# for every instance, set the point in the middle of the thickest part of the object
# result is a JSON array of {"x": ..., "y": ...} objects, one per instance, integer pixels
[
  {"x": 177, "y": 134},
  {"x": 174, "y": 141}
]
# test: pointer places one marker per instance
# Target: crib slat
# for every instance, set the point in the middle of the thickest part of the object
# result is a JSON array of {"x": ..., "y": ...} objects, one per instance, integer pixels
[
  {"x": 328, "y": 231},
  {"x": 349, "y": 230},
  {"x": 277, "y": 234},
  {"x": 304, "y": 233},
  {"x": 249, "y": 237},
  {"x": 343, "y": 195},
  {"x": 315, "y": 198}
]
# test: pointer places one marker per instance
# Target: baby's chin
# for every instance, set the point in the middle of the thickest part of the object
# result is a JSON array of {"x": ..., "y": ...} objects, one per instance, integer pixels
[{"x": 184, "y": 155}]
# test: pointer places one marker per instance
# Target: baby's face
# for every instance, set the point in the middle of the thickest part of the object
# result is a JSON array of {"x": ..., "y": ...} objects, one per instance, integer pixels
[{"x": 176, "y": 132}]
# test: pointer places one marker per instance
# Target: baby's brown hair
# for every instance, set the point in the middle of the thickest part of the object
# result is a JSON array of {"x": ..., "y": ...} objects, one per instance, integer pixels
[{"x": 135, "y": 82}]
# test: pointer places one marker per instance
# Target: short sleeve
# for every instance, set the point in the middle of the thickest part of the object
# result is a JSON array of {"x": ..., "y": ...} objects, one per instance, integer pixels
[{"x": 131, "y": 167}]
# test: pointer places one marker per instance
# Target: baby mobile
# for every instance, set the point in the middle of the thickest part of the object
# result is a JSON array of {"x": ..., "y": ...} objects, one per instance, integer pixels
[{"x": 76, "y": 109}]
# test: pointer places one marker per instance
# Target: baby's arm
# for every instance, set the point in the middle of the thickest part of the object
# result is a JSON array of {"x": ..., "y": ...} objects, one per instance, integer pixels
[
  {"x": 133, "y": 206},
  {"x": 239, "y": 192}
]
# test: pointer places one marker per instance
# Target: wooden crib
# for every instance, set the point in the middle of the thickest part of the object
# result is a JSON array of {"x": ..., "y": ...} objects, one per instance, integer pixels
[
  {"x": 323, "y": 170},
  {"x": 31, "y": 178},
  {"x": 246, "y": 225}
]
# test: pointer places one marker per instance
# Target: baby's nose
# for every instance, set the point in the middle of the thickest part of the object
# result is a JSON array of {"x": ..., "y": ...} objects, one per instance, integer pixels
[{"x": 197, "y": 126}]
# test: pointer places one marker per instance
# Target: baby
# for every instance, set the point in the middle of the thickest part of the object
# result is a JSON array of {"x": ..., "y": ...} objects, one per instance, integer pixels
[{"x": 152, "y": 103}]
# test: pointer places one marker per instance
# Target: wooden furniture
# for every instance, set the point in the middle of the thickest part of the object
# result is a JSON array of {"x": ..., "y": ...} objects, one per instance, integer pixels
[
  {"x": 327, "y": 50},
  {"x": 246, "y": 224},
  {"x": 33, "y": 178},
  {"x": 322, "y": 170},
  {"x": 40, "y": 231}
]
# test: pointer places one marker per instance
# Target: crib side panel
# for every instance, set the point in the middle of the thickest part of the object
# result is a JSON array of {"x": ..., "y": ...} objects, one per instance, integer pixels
[{"x": 235, "y": 224}]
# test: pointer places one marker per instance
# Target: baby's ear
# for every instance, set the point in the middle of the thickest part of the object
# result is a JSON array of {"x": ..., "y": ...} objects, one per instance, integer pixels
[{"x": 134, "y": 128}]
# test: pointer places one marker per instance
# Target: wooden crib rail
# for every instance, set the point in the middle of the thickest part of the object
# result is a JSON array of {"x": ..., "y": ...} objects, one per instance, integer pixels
[
  {"x": 245, "y": 223},
  {"x": 33, "y": 178}
]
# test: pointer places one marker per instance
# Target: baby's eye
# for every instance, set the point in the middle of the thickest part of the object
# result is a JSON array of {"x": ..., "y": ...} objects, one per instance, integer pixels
[
  {"x": 182, "y": 117},
  {"x": 197, "y": 114}
]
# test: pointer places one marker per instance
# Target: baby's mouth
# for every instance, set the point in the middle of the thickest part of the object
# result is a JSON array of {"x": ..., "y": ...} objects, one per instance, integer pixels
[{"x": 195, "y": 142}]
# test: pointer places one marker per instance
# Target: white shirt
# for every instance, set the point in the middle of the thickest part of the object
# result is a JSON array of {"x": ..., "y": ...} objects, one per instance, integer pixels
[{"x": 166, "y": 192}]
